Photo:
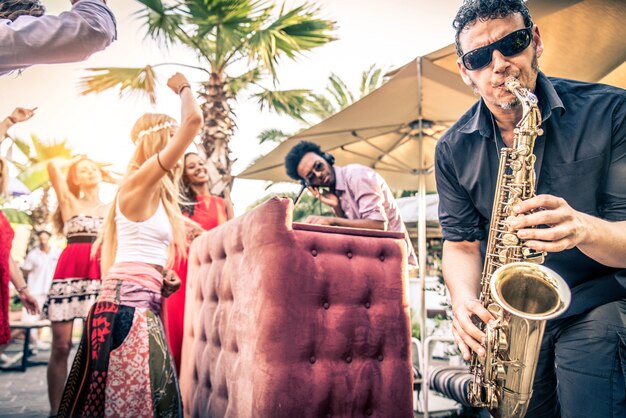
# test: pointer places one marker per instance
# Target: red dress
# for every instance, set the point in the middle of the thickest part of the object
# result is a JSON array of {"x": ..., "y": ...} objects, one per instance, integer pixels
[
  {"x": 6, "y": 238},
  {"x": 76, "y": 280},
  {"x": 209, "y": 212}
]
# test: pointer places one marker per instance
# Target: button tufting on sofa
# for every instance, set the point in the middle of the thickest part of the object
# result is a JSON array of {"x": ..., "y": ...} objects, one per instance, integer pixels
[{"x": 259, "y": 309}]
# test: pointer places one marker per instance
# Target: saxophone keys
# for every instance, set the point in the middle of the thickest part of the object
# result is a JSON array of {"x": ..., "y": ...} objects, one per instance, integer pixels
[
  {"x": 532, "y": 256},
  {"x": 509, "y": 222},
  {"x": 500, "y": 371},
  {"x": 515, "y": 165},
  {"x": 510, "y": 239},
  {"x": 511, "y": 203},
  {"x": 523, "y": 150}
]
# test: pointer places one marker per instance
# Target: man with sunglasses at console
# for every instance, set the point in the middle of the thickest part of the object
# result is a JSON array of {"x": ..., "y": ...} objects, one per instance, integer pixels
[
  {"x": 580, "y": 207},
  {"x": 359, "y": 197}
]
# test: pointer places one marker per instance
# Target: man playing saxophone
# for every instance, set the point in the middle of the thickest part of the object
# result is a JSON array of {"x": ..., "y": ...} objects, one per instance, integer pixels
[{"x": 578, "y": 216}]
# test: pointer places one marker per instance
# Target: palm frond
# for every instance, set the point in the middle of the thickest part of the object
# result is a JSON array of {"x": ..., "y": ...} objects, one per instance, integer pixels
[
  {"x": 130, "y": 81},
  {"x": 238, "y": 83},
  {"x": 371, "y": 79},
  {"x": 339, "y": 90},
  {"x": 21, "y": 145},
  {"x": 163, "y": 22},
  {"x": 272, "y": 135},
  {"x": 46, "y": 150},
  {"x": 322, "y": 107},
  {"x": 294, "y": 103},
  {"x": 291, "y": 34}
]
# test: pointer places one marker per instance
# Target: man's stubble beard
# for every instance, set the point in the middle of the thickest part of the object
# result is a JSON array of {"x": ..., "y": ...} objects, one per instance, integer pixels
[{"x": 507, "y": 105}]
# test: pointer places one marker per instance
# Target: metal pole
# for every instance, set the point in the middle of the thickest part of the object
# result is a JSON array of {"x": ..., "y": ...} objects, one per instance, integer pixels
[{"x": 421, "y": 236}]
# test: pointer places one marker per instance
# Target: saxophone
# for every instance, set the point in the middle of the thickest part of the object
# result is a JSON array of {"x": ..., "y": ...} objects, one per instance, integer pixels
[{"x": 519, "y": 292}]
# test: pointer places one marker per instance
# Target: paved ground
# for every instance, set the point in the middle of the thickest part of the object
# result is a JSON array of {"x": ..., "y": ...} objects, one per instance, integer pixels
[{"x": 24, "y": 394}]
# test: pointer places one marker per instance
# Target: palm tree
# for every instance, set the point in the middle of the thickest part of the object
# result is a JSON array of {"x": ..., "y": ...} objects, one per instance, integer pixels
[
  {"x": 336, "y": 97},
  {"x": 34, "y": 173},
  {"x": 223, "y": 34}
]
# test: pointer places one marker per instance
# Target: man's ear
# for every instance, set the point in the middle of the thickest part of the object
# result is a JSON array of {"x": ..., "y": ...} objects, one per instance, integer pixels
[
  {"x": 537, "y": 40},
  {"x": 463, "y": 71}
]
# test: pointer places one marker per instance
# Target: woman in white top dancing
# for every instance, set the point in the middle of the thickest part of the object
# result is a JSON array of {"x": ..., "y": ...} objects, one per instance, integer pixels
[{"x": 123, "y": 366}]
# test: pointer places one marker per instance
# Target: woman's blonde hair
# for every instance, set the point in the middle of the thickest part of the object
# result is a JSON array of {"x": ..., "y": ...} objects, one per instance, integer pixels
[
  {"x": 150, "y": 134},
  {"x": 4, "y": 177},
  {"x": 74, "y": 188}
]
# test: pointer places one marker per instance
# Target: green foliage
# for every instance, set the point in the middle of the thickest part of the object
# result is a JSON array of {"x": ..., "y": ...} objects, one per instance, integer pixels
[
  {"x": 34, "y": 174},
  {"x": 222, "y": 33},
  {"x": 300, "y": 103},
  {"x": 293, "y": 103},
  {"x": 272, "y": 135},
  {"x": 415, "y": 328},
  {"x": 130, "y": 80},
  {"x": 308, "y": 205},
  {"x": 15, "y": 304},
  {"x": 15, "y": 216}
]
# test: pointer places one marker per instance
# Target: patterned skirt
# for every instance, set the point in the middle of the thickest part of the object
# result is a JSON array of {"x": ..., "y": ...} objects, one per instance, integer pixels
[
  {"x": 123, "y": 367},
  {"x": 75, "y": 285}
]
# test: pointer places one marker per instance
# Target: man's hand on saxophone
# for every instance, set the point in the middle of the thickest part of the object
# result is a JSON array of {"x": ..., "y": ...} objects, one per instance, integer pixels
[
  {"x": 464, "y": 328},
  {"x": 602, "y": 240},
  {"x": 462, "y": 266}
]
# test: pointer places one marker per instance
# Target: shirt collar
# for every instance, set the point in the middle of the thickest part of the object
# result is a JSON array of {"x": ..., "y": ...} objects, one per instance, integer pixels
[
  {"x": 340, "y": 178},
  {"x": 548, "y": 99}
]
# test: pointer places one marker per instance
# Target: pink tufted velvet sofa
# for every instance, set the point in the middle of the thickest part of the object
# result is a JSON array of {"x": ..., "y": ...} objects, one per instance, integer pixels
[{"x": 294, "y": 320}]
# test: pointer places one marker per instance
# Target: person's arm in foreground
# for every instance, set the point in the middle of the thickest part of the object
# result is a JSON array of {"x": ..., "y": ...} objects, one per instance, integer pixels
[
  {"x": 28, "y": 300},
  {"x": 71, "y": 36}
]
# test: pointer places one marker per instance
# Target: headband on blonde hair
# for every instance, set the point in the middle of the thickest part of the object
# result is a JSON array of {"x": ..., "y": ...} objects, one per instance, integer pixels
[{"x": 155, "y": 128}]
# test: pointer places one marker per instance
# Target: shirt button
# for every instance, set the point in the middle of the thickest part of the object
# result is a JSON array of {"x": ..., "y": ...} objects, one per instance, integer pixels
[
  {"x": 314, "y": 253},
  {"x": 326, "y": 305},
  {"x": 349, "y": 254},
  {"x": 348, "y": 359},
  {"x": 312, "y": 359}
]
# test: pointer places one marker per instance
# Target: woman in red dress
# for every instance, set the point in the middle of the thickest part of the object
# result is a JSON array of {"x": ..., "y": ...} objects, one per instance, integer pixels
[
  {"x": 8, "y": 269},
  {"x": 76, "y": 280},
  {"x": 208, "y": 211}
]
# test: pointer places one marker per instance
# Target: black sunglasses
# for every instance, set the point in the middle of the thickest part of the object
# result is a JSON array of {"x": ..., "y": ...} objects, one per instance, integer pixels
[
  {"x": 318, "y": 167},
  {"x": 511, "y": 44}
]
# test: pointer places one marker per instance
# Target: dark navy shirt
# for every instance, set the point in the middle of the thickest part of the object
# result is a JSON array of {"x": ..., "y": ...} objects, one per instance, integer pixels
[{"x": 581, "y": 157}]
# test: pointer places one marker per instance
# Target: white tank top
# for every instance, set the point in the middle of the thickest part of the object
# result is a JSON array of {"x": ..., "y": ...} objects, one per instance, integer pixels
[{"x": 143, "y": 242}]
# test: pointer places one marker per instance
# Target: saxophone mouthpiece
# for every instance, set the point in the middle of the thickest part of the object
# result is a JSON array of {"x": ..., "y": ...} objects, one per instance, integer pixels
[{"x": 512, "y": 83}]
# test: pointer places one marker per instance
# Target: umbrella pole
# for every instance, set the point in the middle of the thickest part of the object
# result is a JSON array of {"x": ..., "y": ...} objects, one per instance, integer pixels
[{"x": 421, "y": 241}]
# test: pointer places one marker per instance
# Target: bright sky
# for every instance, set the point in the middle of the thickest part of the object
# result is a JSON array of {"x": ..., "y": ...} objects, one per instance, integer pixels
[{"x": 387, "y": 33}]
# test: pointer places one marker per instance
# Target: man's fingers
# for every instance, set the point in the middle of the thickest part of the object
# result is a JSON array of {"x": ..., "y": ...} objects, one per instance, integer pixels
[
  {"x": 473, "y": 344},
  {"x": 545, "y": 201},
  {"x": 465, "y": 352}
]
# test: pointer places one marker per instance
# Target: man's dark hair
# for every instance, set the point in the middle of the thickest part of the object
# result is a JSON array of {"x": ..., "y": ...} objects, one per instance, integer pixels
[
  {"x": 43, "y": 231},
  {"x": 483, "y": 10},
  {"x": 12, "y": 9},
  {"x": 297, "y": 152}
]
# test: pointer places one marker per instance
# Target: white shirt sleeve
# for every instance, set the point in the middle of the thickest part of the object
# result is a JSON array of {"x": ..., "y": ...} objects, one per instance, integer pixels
[
  {"x": 29, "y": 263},
  {"x": 71, "y": 36}
]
